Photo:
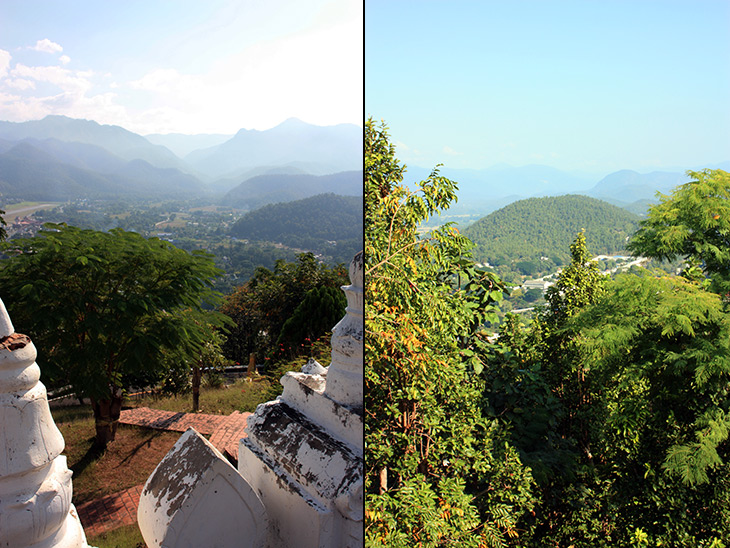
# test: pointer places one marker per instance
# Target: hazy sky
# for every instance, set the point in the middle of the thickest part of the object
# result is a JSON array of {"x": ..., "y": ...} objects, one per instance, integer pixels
[
  {"x": 594, "y": 85},
  {"x": 188, "y": 66}
]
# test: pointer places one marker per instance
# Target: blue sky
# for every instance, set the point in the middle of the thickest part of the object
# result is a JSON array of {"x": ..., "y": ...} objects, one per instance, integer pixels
[
  {"x": 588, "y": 85},
  {"x": 187, "y": 66}
]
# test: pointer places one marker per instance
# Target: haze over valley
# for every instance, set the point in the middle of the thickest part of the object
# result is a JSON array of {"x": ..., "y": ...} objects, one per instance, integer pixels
[
  {"x": 65, "y": 158},
  {"x": 482, "y": 191},
  {"x": 292, "y": 179}
]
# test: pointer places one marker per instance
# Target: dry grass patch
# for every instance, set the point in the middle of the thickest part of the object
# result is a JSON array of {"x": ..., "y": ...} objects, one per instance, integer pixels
[
  {"x": 126, "y": 462},
  {"x": 136, "y": 451}
]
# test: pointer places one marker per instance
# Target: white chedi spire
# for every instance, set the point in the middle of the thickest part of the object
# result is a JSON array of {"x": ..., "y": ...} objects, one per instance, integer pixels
[
  {"x": 35, "y": 482},
  {"x": 345, "y": 373}
]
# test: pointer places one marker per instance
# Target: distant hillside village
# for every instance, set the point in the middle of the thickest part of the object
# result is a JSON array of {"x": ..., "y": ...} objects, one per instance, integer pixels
[{"x": 24, "y": 227}]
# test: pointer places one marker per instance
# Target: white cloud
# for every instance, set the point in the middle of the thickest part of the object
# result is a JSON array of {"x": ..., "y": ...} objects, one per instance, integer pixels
[
  {"x": 21, "y": 84},
  {"x": 65, "y": 79},
  {"x": 314, "y": 73},
  {"x": 47, "y": 46},
  {"x": 4, "y": 62},
  {"x": 405, "y": 152},
  {"x": 306, "y": 74},
  {"x": 164, "y": 81},
  {"x": 400, "y": 145},
  {"x": 451, "y": 152},
  {"x": 58, "y": 90},
  {"x": 102, "y": 107}
]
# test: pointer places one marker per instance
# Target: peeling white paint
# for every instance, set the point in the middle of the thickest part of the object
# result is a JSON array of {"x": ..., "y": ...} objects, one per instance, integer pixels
[{"x": 35, "y": 482}]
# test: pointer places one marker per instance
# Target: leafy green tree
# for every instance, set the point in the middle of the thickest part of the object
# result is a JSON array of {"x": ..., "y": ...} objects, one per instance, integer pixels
[
  {"x": 186, "y": 369},
  {"x": 438, "y": 473},
  {"x": 693, "y": 222},
  {"x": 577, "y": 286},
  {"x": 659, "y": 349},
  {"x": 210, "y": 360},
  {"x": 104, "y": 306},
  {"x": 317, "y": 314},
  {"x": 262, "y": 306},
  {"x": 538, "y": 387},
  {"x": 3, "y": 224},
  {"x": 535, "y": 381}
]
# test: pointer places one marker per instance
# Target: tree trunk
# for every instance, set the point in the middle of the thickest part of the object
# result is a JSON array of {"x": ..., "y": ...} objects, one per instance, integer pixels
[
  {"x": 106, "y": 416},
  {"x": 383, "y": 476},
  {"x": 196, "y": 388},
  {"x": 251, "y": 365}
]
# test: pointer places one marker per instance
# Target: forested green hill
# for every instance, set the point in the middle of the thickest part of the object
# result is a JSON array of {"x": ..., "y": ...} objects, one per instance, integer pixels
[
  {"x": 522, "y": 232},
  {"x": 327, "y": 223}
]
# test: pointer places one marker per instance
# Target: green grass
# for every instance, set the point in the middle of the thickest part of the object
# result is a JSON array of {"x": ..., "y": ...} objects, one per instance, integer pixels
[
  {"x": 239, "y": 396},
  {"x": 127, "y": 536}
]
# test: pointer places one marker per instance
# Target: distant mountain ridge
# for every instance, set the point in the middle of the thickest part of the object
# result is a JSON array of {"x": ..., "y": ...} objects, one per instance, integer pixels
[
  {"x": 338, "y": 148},
  {"x": 65, "y": 158},
  {"x": 182, "y": 145},
  {"x": 115, "y": 139},
  {"x": 481, "y": 191},
  {"x": 52, "y": 170},
  {"x": 217, "y": 159}
]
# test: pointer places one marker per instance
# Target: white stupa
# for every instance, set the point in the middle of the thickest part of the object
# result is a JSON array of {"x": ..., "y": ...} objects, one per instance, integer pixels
[{"x": 35, "y": 482}]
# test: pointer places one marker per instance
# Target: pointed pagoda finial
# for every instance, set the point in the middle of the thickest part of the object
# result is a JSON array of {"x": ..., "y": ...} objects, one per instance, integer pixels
[
  {"x": 35, "y": 482},
  {"x": 6, "y": 326}
]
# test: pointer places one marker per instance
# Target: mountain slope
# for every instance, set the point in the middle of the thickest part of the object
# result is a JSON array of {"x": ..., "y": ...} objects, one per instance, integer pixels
[
  {"x": 630, "y": 186},
  {"x": 545, "y": 227},
  {"x": 32, "y": 174},
  {"x": 228, "y": 183},
  {"x": 182, "y": 145},
  {"x": 312, "y": 223},
  {"x": 35, "y": 171},
  {"x": 273, "y": 188},
  {"x": 336, "y": 148},
  {"x": 81, "y": 155},
  {"x": 116, "y": 140}
]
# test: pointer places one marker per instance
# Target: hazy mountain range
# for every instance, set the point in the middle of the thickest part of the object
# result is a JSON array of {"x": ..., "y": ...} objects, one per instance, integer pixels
[
  {"x": 325, "y": 149},
  {"x": 485, "y": 190},
  {"x": 60, "y": 158},
  {"x": 271, "y": 188}
]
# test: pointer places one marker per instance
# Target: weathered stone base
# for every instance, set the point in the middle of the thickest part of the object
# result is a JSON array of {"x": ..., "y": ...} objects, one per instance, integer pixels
[
  {"x": 309, "y": 482},
  {"x": 195, "y": 498},
  {"x": 306, "y": 394}
]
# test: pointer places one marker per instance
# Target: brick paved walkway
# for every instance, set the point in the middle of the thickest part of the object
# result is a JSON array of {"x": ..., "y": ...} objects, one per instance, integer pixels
[
  {"x": 170, "y": 420},
  {"x": 229, "y": 433},
  {"x": 118, "y": 509},
  {"x": 110, "y": 512}
]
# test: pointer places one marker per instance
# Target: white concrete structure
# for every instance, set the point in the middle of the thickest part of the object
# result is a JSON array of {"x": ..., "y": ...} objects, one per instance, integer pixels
[
  {"x": 304, "y": 451},
  {"x": 35, "y": 483},
  {"x": 302, "y": 459},
  {"x": 195, "y": 498}
]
